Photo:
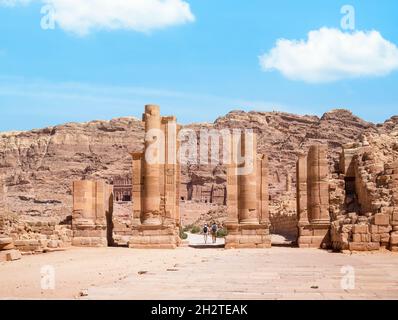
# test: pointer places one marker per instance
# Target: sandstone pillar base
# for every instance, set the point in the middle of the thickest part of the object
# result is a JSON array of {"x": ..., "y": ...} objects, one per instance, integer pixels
[
  {"x": 87, "y": 233},
  {"x": 247, "y": 236},
  {"x": 154, "y": 237},
  {"x": 314, "y": 235}
]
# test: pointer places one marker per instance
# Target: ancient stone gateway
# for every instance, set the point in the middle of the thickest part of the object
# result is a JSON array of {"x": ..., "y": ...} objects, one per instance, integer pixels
[{"x": 156, "y": 194}]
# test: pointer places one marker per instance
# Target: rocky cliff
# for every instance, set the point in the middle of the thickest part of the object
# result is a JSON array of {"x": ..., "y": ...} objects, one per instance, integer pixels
[{"x": 39, "y": 165}]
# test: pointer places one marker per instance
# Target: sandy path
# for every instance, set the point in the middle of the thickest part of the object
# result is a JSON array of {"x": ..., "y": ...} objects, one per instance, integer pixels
[
  {"x": 80, "y": 268},
  {"x": 187, "y": 273}
]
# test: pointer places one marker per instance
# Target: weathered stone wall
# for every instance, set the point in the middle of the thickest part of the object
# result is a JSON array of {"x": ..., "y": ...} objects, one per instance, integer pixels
[
  {"x": 367, "y": 222},
  {"x": 366, "y": 169},
  {"x": 285, "y": 225}
]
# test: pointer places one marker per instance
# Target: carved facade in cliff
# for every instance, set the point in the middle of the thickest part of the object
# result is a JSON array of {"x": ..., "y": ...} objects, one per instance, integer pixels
[
  {"x": 208, "y": 193},
  {"x": 122, "y": 188}
]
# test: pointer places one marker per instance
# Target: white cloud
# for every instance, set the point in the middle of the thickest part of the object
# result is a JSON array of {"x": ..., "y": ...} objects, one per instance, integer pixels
[
  {"x": 330, "y": 54},
  {"x": 84, "y": 16}
]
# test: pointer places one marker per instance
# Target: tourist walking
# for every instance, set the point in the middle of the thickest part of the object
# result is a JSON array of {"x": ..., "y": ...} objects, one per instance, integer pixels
[
  {"x": 205, "y": 232},
  {"x": 214, "y": 229}
]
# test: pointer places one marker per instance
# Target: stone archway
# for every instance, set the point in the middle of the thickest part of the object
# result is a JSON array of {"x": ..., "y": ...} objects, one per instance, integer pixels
[{"x": 156, "y": 216}]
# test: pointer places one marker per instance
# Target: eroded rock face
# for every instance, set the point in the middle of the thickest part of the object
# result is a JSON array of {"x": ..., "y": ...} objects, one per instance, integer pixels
[{"x": 40, "y": 165}]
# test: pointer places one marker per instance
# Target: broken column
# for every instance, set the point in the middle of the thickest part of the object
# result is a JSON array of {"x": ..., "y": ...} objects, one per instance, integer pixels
[
  {"x": 156, "y": 179},
  {"x": 92, "y": 211},
  {"x": 247, "y": 196},
  {"x": 313, "y": 204}
]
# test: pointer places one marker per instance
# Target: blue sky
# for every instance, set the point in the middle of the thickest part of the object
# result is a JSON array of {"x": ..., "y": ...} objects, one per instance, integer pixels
[{"x": 197, "y": 69}]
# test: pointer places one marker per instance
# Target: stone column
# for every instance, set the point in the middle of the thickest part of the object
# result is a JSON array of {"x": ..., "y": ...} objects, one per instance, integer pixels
[
  {"x": 83, "y": 195},
  {"x": 247, "y": 181},
  {"x": 151, "y": 196},
  {"x": 263, "y": 189},
  {"x": 301, "y": 172},
  {"x": 169, "y": 184},
  {"x": 247, "y": 198},
  {"x": 156, "y": 183},
  {"x": 313, "y": 198},
  {"x": 102, "y": 195},
  {"x": 137, "y": 186},
  {"x": 318, "y": 185},
  {"x": 232, "y": 184},
  {"x": 92, "y": 206}
]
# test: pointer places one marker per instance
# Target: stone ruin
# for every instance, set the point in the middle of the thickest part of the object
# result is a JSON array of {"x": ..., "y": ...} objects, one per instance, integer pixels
[
  {"x": 349, "y": 205},
  {"x": 92, "y": 214},
  {"x": 353, "y": 207},
  {"x": 364, "y": 191},
  {"x": 156, "y": 212},
  {"x": 313, "y": 198}
]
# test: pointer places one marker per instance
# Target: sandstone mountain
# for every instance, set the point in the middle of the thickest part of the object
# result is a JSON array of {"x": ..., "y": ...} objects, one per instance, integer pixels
[{"x": 39, "y": 165}]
